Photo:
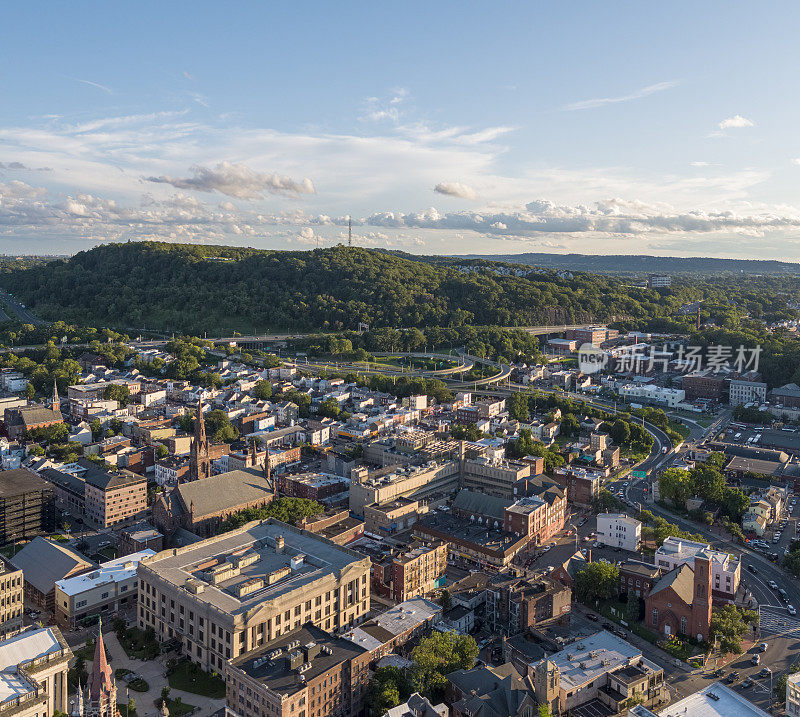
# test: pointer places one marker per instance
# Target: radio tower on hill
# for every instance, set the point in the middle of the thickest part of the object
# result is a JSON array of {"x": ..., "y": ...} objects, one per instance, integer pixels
[{"x": 349, "y": 231}]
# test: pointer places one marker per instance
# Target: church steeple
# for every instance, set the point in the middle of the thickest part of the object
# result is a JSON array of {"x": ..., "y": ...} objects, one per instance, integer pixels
[
  {"x": 55, "y": 402},
  {"x": 101, "y": 688},
  {"x": 199, "y": 461}
]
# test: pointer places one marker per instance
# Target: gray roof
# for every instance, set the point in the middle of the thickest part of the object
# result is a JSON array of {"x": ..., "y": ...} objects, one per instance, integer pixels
[
  {"x": 499, "y": 691},
  {"x": 681, "y": 580},
  {"x": 105, "y": 479},
  {"x": 20, "y": 480},
  {"x": 220, "y": 492},
  {"x": 44, "y": 561},
  {"x": 489, "y": 505}
]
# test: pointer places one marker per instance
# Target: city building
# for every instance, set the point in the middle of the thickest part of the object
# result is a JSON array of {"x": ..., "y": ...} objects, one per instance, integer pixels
[
  {"x": 27, "y": 506},
  {"x": 637, "y": 577},
  {"x": 418, "y": 570},
  {"x": 99, "y": 698},
  {"x": 603, "y": 670},
  {"x": 22, "y": 419},
  {"x": 489, "y": 691},
  {"x": 714, "y": 700},
  {"x": 680, "y": 602},
  {"x": 314, "y": 486},
  {"x": 199, "y": 457},
  {"x": 726, "y": 570},
  {"x": 704, "y": 384},
  {"x": 138, "y": 537},
  {"x": 742, "y": 392},
  {"x": 383, "y": 634},
  {"x": 33, "y": 673},
  {"x": 228, "y": 595},
  {"x": 391, "y": 517},
  {"x": 11, "y": 599},
  {"x": 596, "y": 335},
  {"x": 650, "y": 393},
  {"x": 583, "y": 486},
  {"x": 303, "y": 673},
  {"x": 201, "y": 506},
  {"x": 793, "y": 695},
  {"x": 43, "y": 562},
  {"x": 493, "y": 477},
  {"x": 109, "y": 589},
  {"x": 655, "y": 281},
  {"x": 418, "y": 706},
  {"x": 515, "y": 605},
  {"x": 618, "y": 530}
]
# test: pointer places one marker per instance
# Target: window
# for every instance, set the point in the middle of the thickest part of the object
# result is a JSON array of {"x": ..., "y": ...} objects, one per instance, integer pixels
[
  {"x": 683, "y": 625},
  {"x": 655, "y": 616}
]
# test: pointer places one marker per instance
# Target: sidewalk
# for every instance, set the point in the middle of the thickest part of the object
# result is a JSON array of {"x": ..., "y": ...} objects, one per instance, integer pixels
[{"x": 154, "y": 673}]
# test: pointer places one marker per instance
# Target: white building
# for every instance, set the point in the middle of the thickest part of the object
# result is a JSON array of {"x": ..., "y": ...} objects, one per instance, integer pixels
[
  {"x": 110, "y": 588},
  {"x": 618, "y": 530},
  {"x": 649, "y": 393},
  {"x": 793, "y": 695},
  {"x": 746, "y": 392},
  {"x": 714, "y": 700},
  {"x": 659, "y": 282},
  {"x": 726, "y": 570}
]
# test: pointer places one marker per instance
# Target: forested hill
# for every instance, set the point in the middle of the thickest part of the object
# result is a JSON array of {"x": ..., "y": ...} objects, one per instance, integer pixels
[
  {"x": 643, "y": 264},
  {"x": 191, "y": 288}
]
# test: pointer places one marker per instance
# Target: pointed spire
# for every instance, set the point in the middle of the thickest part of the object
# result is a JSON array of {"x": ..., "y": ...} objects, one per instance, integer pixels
[
  {"x": 101, "y": 678},
  {"x": 78, "y": 705},
  {"x": 55, "y": 401}
]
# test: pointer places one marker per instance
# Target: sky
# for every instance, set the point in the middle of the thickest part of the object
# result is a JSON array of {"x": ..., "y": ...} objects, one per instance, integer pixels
[{"x": 435, "y": 127}]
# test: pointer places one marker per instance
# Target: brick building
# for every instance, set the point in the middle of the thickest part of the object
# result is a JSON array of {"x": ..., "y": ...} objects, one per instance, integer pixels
[
  {"x": 27, "y": 506},
  {"x": 314, "y": 486},
  {"x": 680, "y": 602},
  {"x": 704, "y": 384},
  {"x": 638, "y": 576},
  {"x": 304, "y": 672},
  {"x": 419, "y": 570},
  {"x": 516, "y": 605}
]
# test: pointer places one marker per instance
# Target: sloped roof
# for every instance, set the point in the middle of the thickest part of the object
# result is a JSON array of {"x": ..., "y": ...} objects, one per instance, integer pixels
[
  {"x": 499, "y": 691},
  {"x": 489, "y": 505},
  {"x": 220, "y": 492},
  {"x": 44, "y": 561},
  {"x": 681, "y": 580}
]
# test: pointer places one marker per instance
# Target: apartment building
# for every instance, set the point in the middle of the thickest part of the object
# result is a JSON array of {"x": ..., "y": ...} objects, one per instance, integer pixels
[
  {"x": 304, "y": 673},
  {"x": 496, "y": 478},
  {"x": 539, "y": 515},
  {"x": 618, "y": 530},
  {"x": 314, "y": 486},
  {"x": 27, "y": 506},
  {"x": 33, "y": 673},
  {"x": 659, "y": 282},
  {"x": 793, "y": 695},
  {"x": 109, "y": 589},
  {"x": 113, "y": 498},
  {"x": 704, "y": 384},
  {"x": 419, "y": 570},
  {"x": 515, "y": 605},
  {"x": 391, "y": 517},
  {"x": 228, "y": 595},
  {"x": 741, "y": 392},
  {"x": 11, "y": 599},
  {"x": 726, "y": 570},
  {"x": 583, "y": 486}
]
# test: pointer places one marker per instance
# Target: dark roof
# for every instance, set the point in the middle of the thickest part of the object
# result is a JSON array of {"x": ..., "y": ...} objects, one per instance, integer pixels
[
  {"x": 220, "y": 492},
  {"x": 44, "y": 561},
  {"x": 104, "y": 480},
  {"x": 65, "y": 481},
  {"x": 33, "y": 415},
  {"x": 489, "y": 505},
  {"x": 20, "y": 480},
  {"x": 637, "y": 567},
  {"x": 498, "y": 691},
  {"x": 681, "y": 580}
]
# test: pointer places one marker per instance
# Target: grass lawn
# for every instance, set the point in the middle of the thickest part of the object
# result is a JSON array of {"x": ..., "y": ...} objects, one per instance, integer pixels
[
  {"x": 137, "y": 645},
  {"x": 138, "y": 685},
  {"x": 177, "y": 708},
  {"x": 109, "y": 552},
  {"x": 121, "y": 672},
  {"x": 125, "y": 712},
  {"x": 190, "y": 678}
]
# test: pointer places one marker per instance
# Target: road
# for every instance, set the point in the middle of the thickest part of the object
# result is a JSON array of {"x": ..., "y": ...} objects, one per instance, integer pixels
[{"x": 19, "y": 311}]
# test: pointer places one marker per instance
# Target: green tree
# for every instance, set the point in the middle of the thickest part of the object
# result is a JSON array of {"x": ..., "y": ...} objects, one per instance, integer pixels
[
  {"x": 620, "y": 432},
  {"x": 438, "y": 655},
  {"x": 117, "y": 392},
  {"x": 729, "y": 624},
  {"x": 262, "y": 390},
  {"x": 219, "y": 427},
  {"x": 329, "y": 408},
  {"x": 632, "y": 609},
  {"x": 597, "y": 581},
  {"x": 445, "y": 600},
  {"x": 388, "y": 687},
  {"x": 517, "y": 406},
  {"x": 162, "y": 451}
]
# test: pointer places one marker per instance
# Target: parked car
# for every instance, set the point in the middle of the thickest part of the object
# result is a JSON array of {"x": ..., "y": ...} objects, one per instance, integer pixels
[
  {"x": 773, "y": 584},
  {"x": 791, "y": 610},
  {"x": 752, "y": 569},
  {"x": 763, "y": 647},
  {"x": 765, "y": 672},
  {"x": 747, "y": 682},
  {"x": 756, "y": 659},
  {"x": 591, "y": 616}
]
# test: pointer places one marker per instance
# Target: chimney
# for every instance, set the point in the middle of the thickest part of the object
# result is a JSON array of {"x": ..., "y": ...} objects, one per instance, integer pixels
[
  {"x": 588, "y": 555},
  {"x": 279, "y": 544}
]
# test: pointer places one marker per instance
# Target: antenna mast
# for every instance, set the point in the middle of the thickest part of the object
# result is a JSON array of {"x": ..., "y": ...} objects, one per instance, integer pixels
[{"x": 349, "y": 231}]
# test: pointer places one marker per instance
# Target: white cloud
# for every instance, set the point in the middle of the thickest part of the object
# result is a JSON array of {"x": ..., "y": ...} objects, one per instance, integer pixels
[
  {"x": 382, "y": 109},
  {"x": 638, "y": 94},
  {"x": 796, "y": 160},
  {"x": 456, "y": 189},
  {"x": 105, "y": 89},
  {"x": 735, "y": 122},
  {"x": 237, "y": 180}
]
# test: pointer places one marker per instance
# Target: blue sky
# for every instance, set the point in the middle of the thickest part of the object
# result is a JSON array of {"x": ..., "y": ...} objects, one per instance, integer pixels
[{"x": 501, "y": 127}]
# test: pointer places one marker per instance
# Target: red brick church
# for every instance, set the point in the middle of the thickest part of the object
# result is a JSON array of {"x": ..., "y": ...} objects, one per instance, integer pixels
[{"x": 680, "y": 601}]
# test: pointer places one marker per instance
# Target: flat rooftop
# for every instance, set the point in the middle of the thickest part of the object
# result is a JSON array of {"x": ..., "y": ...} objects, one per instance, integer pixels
[
  {"x": 18, "y": 481},
  {"x": 587, "y": 659},
  {"x": 714, "y": 700},
  {"x": 114, "y": 571},
  {"x": 395, "y": 621},
  {"x": 271, "y": 665},
  {"x": 482, "y": 535},
  {"x": 25, "y": 646},
  {"x": 248, "y": 555}
]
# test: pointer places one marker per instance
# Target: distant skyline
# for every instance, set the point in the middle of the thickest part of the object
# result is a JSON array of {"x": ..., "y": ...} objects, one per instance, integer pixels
[{"x": 441, "y": 128}]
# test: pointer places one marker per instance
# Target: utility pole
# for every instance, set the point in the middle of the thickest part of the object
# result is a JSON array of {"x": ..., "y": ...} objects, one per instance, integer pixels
[{"x": 349, "y": 231}]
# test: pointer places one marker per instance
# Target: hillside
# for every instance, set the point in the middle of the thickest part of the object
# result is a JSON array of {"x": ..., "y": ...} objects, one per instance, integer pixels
[
  {"x": 641, "y": 265},
  {"x": 191, "y": 288}
]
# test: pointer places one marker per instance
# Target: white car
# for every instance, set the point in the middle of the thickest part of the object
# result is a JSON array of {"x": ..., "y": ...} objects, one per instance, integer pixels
[
  {"x": 773, "y": 584},
  {"x": 546, "y": 548},
  {"x": 791, "y": 610}
]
